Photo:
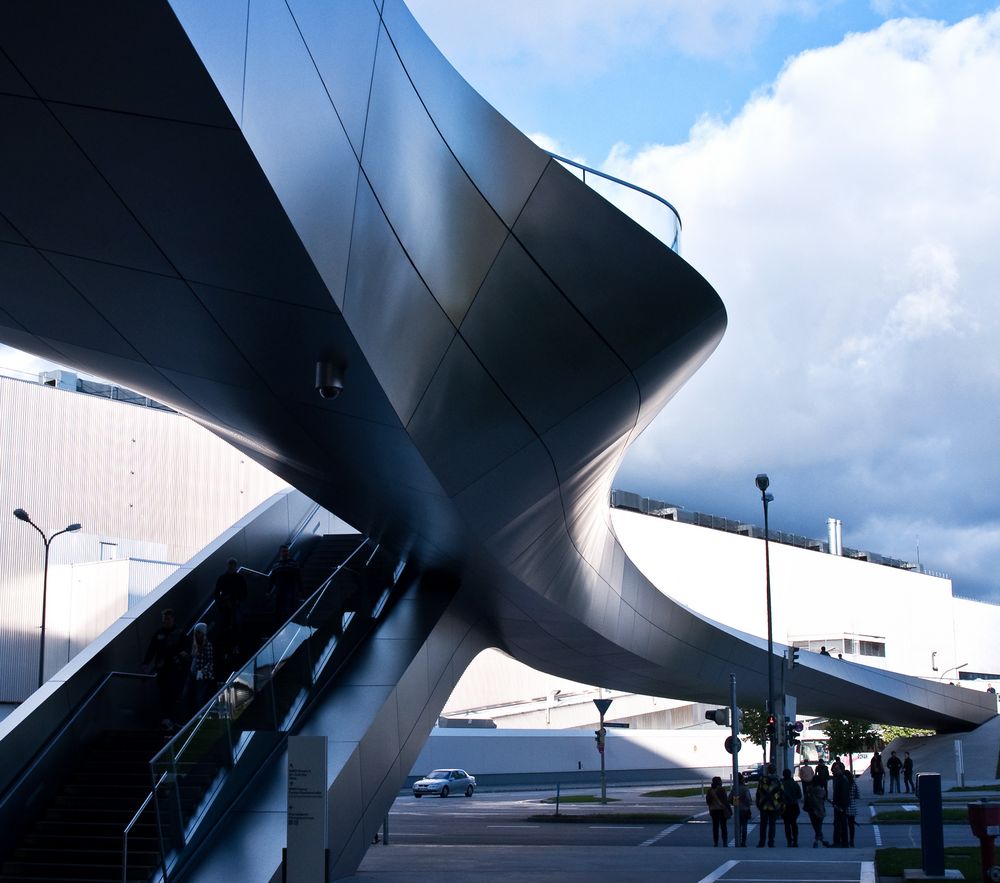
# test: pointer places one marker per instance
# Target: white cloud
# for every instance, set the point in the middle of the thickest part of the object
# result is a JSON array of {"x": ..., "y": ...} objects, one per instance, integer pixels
[
  {"x": 848, "y": 218},
  {"x": 572, "y": 38}
]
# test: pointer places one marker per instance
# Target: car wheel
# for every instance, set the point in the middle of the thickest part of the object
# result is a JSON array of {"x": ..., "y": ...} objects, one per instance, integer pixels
[
  {"x": 444, "y": 791},
  {"x": 418, "y": 795},
  {"x": 468, "y": 791}
]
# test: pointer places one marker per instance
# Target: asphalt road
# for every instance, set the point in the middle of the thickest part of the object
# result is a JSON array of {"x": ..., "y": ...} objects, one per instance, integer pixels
[
  {"x": 504, "y": 819},
  {"x": 493, "y": 835}
]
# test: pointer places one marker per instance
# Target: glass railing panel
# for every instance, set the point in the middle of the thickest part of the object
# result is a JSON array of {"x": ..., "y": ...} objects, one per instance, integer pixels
[{"x": 266, "y": 694}]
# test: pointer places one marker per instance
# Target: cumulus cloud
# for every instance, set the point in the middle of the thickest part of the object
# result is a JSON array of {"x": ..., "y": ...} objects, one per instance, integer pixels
[{"x": 848, "y": 218}]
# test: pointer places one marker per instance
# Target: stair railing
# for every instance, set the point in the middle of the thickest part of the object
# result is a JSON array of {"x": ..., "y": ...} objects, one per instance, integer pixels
[
  {"x": 128, "y": 830},
  {"x": 190, "y": 770},
  {"x": 671, "y": 236}
]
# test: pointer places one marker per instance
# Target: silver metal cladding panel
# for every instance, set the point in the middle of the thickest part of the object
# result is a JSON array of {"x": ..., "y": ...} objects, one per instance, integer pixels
[
  {"x": 299, "y": 140},
  {"x": 399, "y": 326},
  {"x": 426, "y": 195},
  {"x": 218, "y": 31},
  {"x": 345, "y": 62},
  {"x": 540, "y": 350},
  {"x": 502, "y": 163},
  {"x": 492, "y": 428},
  {"x": 643, "y": 305}
]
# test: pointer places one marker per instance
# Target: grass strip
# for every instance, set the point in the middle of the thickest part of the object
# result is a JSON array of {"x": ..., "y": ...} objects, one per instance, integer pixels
[
  {"x": 612, "y": 818},
  {"x": 891, "y": 862},
  {"x": 676, "y": 792},
  {"x": 579, "y": 798},
  {"x": 948, "y": 814},
  {"x": 993, "y": 787}
]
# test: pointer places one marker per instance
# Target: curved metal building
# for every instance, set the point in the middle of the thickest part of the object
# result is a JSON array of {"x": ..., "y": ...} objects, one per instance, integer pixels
[{"x": 202, "y": 201}]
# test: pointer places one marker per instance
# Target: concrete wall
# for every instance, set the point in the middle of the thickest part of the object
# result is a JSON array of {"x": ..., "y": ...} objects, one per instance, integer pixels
[
  {"x": 813, "y": 594},
  {"x": 498, "y": 756}
]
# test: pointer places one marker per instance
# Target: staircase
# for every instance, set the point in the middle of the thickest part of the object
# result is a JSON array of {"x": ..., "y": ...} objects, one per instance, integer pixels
[{"x": 79, "y": 836}]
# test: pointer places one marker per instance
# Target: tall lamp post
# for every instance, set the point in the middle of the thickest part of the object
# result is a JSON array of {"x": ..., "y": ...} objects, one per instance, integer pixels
[
  {"x": 763, "y": 482},
  {"x": 21, "y": 515}
]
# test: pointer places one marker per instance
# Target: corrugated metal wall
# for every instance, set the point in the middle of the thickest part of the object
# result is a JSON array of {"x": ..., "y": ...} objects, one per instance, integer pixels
[{"x": 148, "y": 483}]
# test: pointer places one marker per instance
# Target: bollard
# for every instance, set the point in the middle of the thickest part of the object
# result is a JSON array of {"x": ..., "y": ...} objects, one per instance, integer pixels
[
  {"x": 984, "y": 819},
  {"x": 931, "y": 824},
  {"x": 557, "y": 798}
]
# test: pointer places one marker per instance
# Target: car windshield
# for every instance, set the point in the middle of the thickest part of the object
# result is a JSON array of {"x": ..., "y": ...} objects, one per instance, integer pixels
[{"x": 439, "y": 774}]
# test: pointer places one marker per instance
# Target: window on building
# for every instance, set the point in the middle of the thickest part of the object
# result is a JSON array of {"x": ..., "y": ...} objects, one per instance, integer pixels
[{"x": 872, "y": 648}]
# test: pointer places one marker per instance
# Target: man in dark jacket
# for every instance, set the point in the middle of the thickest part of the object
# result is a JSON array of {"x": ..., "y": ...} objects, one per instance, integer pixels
[
  {"x": 286, "y": 585},
  {"x": 230, "y": 596},
  {"x": 771, "y": 804},
  {"x": 908, "y": 772},
  {"x": 841, "y": 799},
  {"x": 165, "y": 657},
  {"x": 894, "y": 765},
  {"x": 823, "y": 775}
]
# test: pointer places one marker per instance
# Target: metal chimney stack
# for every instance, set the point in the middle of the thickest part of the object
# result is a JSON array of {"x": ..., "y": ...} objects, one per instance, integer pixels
[{"x": 834, "y": 536}]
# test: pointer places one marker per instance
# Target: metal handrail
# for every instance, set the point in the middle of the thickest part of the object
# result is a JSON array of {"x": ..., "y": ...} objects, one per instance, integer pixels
[
  {"x": 38, "y": 758},
  {"x": 190, "y": 826},
  {"x": 125, "y": 834},
  {"x": 207, "y": 707},
  {"x": 587, "y": 169}
]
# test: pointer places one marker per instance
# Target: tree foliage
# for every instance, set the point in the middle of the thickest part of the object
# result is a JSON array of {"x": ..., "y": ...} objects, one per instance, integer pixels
[
  {"x": 850, "y": 737},
  {"x": 888, "y": 732},
  {"x": 755, "y": 726}
]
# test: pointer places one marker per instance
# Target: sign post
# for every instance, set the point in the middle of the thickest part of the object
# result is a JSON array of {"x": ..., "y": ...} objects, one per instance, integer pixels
[
  {"x": 734, "y": 721},
  {"x": 602, "y": 706},
  {"x": 306, "y": 833}
]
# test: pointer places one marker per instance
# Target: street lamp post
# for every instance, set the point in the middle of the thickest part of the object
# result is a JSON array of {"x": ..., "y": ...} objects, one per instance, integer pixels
[
  {"x": 763, "y": 482},
  {"x": 21, "y": 515}
]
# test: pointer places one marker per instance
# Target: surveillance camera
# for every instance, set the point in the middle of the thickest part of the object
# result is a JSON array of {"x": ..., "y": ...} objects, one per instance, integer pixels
[{"x": 329, "y": 379}]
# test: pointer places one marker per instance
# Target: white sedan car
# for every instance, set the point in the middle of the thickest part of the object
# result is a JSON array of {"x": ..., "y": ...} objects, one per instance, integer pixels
[{"x": 445, "y": 782}]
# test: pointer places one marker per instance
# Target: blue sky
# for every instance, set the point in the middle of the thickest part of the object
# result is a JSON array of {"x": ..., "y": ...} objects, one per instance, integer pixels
[{"x": 837, "y": 168}]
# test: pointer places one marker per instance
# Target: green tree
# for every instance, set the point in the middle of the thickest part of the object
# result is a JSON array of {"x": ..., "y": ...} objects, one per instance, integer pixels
[
  {"x": 849, "y": 737},
  {"x": 755, "y": 727},
  {"x": 888, "y": 732}
]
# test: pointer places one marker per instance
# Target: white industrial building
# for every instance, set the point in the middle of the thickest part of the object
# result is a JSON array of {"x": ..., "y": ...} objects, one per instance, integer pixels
[{"x": 149, "y": 487}]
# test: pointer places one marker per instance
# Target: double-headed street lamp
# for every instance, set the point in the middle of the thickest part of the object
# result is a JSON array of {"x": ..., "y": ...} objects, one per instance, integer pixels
[
  {"x": 763, "y": 482},
  {"x": 21, "y": 515}
]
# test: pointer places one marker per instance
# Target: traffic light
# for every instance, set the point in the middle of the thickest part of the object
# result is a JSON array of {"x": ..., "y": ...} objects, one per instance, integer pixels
[
  {"x": 792, "y": 732},
  {"x": 739, "y": 720},
  {"x": 599, "y": 738},
  {"x": 793, "y": 657},
  {"x": 770, "y": 726},
  {"x": 719, "y": 715}
]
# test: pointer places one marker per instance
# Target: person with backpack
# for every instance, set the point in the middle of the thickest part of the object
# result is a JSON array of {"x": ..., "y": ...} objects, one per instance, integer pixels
[
  {"x": 792, "y": 794},
  {"x": 814, "y": 802},
  {"x": 771, "y": 804},
  {"x": 740, "y": 797},
  {"x": 720, "y": 811}
]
